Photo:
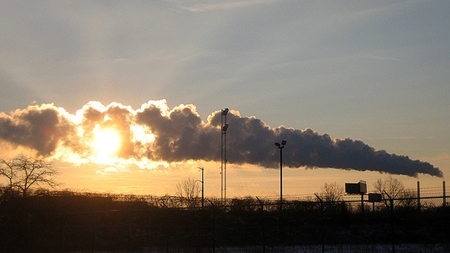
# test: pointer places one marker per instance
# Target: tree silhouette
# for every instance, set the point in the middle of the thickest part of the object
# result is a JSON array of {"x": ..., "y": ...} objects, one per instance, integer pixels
[
  {"x": 393, "y": 187},
  {"x": 188, "y": 191},
  {"x": 25, "y": 172},
  {"x": 390, "y": 185},
  {"x": 332, "y": 192}
]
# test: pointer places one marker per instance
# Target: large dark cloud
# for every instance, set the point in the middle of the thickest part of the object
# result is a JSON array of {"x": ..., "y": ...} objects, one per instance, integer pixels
[
  {"x": 180, "y": 134},
  {"x": 250, "y": 140},
  {"x": 41, "y": 128}
]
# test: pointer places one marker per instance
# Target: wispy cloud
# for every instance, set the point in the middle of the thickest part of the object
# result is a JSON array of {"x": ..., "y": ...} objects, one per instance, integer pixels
[
  {"x": 205, "y": 6},
  {"x": 380, "y": 57}
]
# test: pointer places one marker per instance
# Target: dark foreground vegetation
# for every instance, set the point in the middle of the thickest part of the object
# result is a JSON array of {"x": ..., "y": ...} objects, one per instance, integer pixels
[{"x": 67, "y": 221}]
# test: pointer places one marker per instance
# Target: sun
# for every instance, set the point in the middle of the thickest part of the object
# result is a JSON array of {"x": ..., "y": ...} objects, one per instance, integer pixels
[{"x": 106, "y": 143}]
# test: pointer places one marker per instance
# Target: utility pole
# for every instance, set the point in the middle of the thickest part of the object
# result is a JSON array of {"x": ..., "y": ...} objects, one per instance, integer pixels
[
  {"x": 391, "y": 202},
  {"x": 203, "y": 186},
  {"x": 418, "y": 195},
  {"x": 223, "y": 154},
  {"x": 280, "y": 147}
]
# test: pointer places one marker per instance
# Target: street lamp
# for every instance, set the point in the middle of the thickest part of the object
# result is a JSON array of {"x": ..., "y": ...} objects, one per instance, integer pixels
[
  {"x": 223, "y": 152},
  {"x": 203, "y": 186},
  {"x": 280, "y": 147}
]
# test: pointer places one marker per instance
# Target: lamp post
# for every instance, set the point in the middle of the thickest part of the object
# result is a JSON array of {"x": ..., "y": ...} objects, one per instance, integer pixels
[
  {"x": 223, "y": 152},
  {"x": 280, "y": 147},
  {"x": 203, "y": 186}
]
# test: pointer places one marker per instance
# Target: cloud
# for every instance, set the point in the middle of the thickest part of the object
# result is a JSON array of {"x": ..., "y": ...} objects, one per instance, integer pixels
[
  {"x": 41, "y": 128},
  {"x": 380, "y": 58},
  {"x": 222, "y": 5},
  {"x": 157, "y": 133}
]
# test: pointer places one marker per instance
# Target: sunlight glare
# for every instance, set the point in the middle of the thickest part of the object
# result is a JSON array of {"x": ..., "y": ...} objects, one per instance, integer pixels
[
  {"x": 106, "y": 143},
  {"x": 142, "y": 135}
]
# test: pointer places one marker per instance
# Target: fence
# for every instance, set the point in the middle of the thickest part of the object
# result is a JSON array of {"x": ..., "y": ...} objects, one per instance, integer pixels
[
  {"x": 420, "y": 199},
  {"x": 132, "y": 223}
]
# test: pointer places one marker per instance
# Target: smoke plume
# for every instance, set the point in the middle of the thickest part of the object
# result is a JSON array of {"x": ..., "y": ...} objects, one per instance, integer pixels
[{"x": 159, "y": 133}]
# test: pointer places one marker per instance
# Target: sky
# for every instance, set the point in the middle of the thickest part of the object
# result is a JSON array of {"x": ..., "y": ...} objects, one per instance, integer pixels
[{"x": 126, "y": 96}]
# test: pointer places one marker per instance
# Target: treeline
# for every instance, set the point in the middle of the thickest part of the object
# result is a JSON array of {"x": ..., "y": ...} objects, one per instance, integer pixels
[{"x": 67, "y": 221}]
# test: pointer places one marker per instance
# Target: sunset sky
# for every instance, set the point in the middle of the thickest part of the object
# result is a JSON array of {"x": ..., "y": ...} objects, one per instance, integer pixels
[{"x": 125, "y": 96}]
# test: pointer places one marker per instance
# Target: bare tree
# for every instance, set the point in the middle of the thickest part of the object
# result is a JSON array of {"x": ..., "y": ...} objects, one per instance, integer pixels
[
  {"x": 188, "y": 190},
  {"x": 391, "y": 186},
  {"x": 25, "y": 172},
  {"x": 408, "y": 199},
  {"x": 332, "y": 192}
]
